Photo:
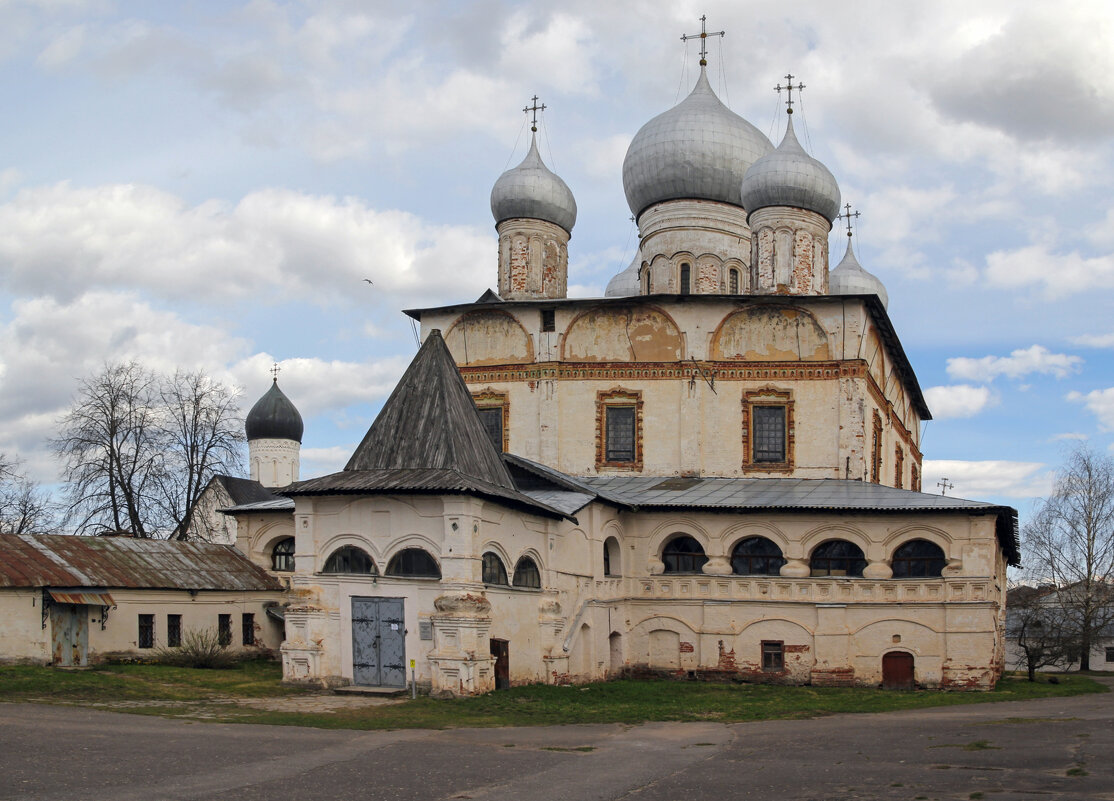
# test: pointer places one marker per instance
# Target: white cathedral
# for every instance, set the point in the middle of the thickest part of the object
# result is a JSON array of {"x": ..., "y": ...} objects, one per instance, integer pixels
[{"x": 713, "y": 471}]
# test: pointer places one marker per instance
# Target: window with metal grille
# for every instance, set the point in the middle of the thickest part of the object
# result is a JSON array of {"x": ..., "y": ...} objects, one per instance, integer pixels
[
  {"x": 1110, "y": 654},
  {"x": 769, "y": 433},
  {"x": 918, "y": 559},
  {"x": 620, "y": 433},
  {"x": 526, "y": 574},
  {"x": 733, "y": 282},
  {"x": 837, "y": 558},
  {"x": 173, "y": 631},
  {"x": 492, "y": 419},
  {"x": 686, "y": 279},
  {"x": 224, "y": 629},
  {"x": 146, "y": 631},
  {"x": 350, "y": 559},
  {"x": 549, "y": 320},
  {"x": 247, "y": 628},
  {"x": 414, "y": 563},
  {"x": 282, "y": 556},
  {"x": 773, "y": 656},
  {"x": 756, "y": 556},
  {"x": 683, "y": 555},
  {"x": 493, "y": 570}
]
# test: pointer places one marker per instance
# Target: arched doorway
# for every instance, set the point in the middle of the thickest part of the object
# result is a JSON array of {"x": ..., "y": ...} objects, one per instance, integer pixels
[{"x": 897, "y": 671}]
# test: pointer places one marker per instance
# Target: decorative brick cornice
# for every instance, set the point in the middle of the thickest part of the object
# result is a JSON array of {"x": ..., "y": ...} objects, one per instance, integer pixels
[{"x": 617, "y": 371}]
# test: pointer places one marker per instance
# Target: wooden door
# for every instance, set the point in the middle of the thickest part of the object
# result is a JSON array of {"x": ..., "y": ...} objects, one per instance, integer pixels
[
  {"x": 897, "y": 671},
  {"x": 501, "y": 650},
  {"x": 69, "y": 635}
]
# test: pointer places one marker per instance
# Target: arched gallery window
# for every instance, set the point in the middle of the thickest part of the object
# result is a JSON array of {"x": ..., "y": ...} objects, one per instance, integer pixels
[
  {"x": 493, "y": 570},
  {"x": 918, "y": 559},
  {"x": 683, "y": 555},
  {"x": 413, "y": 563},
  {"x": 756, "y": 556},
  {"x": 282, "y": 556},
  {"x": 837, "y": 558},
  {"x": 350, "y": 559},
  {"x": 526, "y": 574}
]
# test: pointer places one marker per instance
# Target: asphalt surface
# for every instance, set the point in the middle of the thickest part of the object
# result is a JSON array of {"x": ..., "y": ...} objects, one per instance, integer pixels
[{"x": 1049, "y": 749}]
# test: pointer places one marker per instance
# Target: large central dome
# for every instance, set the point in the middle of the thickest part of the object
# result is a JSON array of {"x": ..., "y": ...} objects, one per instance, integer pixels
[{"x": 699, "y": 149}]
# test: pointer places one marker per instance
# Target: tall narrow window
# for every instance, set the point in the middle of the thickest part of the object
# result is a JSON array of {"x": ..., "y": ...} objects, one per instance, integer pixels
[
  {"x": 899, "y": 467},
  {"x": 914, "y": 478},
  {"x": 494, "y": 410},
  {"x": 686, "y": 278},
  {"x": 768, "y": 430},
  {"x": 620, "y": 433},
  {"x": 247, "y": 629},
  {"x": 876, "y": 450},
  {"x": 224, "y": 630},
  {"x": 146, "y": 631},
  {"x": 733, "y": 282},
  {"x": 549, "y": 320},
  {"x": 769, "y": 433},
  {"x": 618, "y": 429},
  {"x": 173, "y": 631}
]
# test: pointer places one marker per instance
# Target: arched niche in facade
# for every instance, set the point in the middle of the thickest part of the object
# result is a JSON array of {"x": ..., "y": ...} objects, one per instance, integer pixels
[
  {"x": 767, "y": 332},
  {"x": 489, "y": 337},
  {"x": 623, "y": 334}
]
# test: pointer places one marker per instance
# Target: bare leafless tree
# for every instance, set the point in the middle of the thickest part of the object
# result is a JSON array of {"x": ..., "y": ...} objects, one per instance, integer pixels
[
  {"x": 137, "y": 448},
  {"x": 204, "y": 435},
  {"x": 1070, "y": 545},
  {"x": 1042, "y": 630},
  {"x": 25, "y": 508}
]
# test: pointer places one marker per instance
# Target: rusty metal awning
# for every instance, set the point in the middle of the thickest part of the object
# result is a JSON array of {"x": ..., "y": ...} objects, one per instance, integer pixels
[
  {"x": 277, "y": 612},
  {"x": 79, "y": 597}
]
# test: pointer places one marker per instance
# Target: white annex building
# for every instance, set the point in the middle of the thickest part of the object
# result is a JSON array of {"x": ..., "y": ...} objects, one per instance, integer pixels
[{"x": 712, "y": 471}]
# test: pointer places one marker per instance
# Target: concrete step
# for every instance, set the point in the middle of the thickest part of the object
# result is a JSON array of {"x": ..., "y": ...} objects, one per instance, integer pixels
[{"x": 377, "y": 692}]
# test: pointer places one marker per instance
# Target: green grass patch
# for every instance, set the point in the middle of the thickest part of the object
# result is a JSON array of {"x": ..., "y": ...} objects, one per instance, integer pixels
[
  {"x": 214, "y": 694},
  {"x": 1077, "y": 771}
]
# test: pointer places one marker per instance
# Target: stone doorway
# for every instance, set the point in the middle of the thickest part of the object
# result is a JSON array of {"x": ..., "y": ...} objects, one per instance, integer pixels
[
  {"x": 501, "y": 651},
  {"x": 897, "y": 671}
]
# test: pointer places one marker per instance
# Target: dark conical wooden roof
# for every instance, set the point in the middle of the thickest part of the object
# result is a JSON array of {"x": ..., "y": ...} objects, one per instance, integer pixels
[{"x": 431, "y": 422}]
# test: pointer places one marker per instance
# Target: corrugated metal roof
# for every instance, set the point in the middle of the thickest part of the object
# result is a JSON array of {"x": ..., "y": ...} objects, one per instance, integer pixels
[
  {"x": 83, "y": 597},
  {"x": 274, "y": 505},
  {"x": 52, "y": 560}
]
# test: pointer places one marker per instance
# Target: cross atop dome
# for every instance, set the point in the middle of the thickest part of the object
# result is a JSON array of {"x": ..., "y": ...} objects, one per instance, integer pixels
[
  {"x": 275, "y": 370},
  {"x": 789, "y": 87},
  {"x": 534, "y": 109},
  {"x": 846, "y": 217},
  {"x": 703, "y": 37}
]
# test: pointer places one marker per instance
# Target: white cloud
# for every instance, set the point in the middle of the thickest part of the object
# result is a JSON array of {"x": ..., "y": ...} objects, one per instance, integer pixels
[
  {"x": 1021, "y": 362},
  {"x": 975, "y": 480},
  {"x": 1093, "y": 340},
  {"x": 273, "y": 245},
  {"x": 1070, "y": 436},
  {"x": 322, "y": 461},
  {"x": 1100, "y": 402},
  {"x": 1057, "y": 274},
  {"x": 958, "y": 400}
]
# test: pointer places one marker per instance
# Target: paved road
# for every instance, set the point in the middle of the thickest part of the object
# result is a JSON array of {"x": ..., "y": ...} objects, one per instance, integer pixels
[{"x": 1051, "y": 749}]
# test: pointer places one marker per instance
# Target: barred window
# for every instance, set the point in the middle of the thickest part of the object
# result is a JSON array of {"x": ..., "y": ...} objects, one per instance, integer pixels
[
  {"x": 173, "y": 631},
  {"x": 247, "y": 629},
  {"x": 146, "y": 631},
  {"x": 492, "y": 419},
  {"x": 733, "y": 282},
  {"x": 224, "y": 629},
  {"x": 686, "y": 280},
  {"x": 620, "y": 433},
  {"x": 769, "y": 433},
  {"x": 493, "y": 570}
]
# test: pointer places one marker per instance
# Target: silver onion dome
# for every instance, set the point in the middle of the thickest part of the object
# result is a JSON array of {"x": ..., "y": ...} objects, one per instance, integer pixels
[
  {"x": 849, "y": 278},
  {"x": 699, "y": 149},
  {"x": 791, "y": 177},
  {"x": 531, "y": 190},
  {"x": 625, "y": 283}
]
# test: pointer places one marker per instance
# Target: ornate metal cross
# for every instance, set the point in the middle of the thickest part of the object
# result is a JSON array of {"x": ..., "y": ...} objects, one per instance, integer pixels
[
  {"x": 789, "y": 87},
  {"x": 846, "y": 216},
  {"x": 703, "y": 37},
  {"x": 944, "y": 486},
  {"x": 535, "y": 109},
  {"x": 275, "y": 370}
]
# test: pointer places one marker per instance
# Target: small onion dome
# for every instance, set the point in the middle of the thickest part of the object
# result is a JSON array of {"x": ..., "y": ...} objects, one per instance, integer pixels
[
  {"x": 625, "y": 283},
  {"x": 849, "y": 278},
  {"x": 699, "y": 150},
  {"x": 274, "y": 417},
  {"x": 791, "y": 177},
  {"x": 532, "y": 191}
]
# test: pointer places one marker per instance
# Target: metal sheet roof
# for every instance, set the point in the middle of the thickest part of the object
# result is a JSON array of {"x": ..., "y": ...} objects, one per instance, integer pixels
[
  {"x": 52, "y": 560},
  {"x": 83, "y": 597}
]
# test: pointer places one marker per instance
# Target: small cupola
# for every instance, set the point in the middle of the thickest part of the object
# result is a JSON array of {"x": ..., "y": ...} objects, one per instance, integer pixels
[
  {"x": 849, "y": 277},
  {"x": 274, "y": 432}
]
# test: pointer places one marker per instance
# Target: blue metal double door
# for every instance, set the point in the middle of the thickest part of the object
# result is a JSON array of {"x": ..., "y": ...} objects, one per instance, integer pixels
[{"x": 378, "y": 642}]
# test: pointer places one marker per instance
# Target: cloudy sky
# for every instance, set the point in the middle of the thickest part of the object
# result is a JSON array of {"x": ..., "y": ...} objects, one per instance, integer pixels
[{"x": 206, "y": 184}]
